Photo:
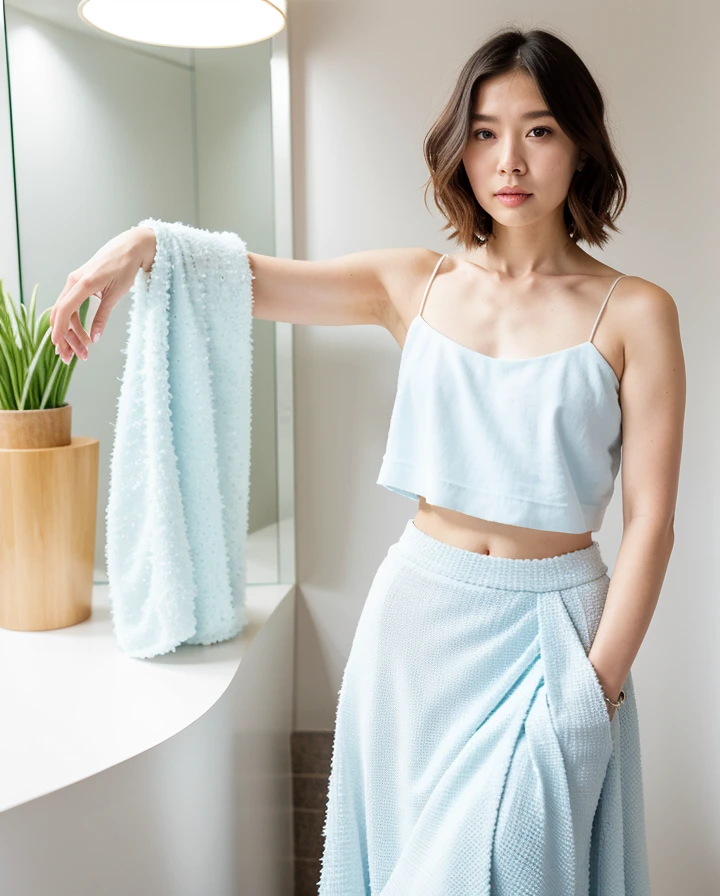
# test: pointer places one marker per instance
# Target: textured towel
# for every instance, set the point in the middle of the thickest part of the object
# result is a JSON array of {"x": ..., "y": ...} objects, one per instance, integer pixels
[
  {"x": 177, "y": 512},
  {"x": 473, "y": 752}
]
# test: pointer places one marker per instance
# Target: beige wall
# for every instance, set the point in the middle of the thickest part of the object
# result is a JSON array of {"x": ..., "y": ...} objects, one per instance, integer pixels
[{"x": 367, "y": 80}]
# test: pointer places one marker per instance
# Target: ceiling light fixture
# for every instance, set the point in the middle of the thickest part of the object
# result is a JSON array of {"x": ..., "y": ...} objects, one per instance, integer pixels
[{"x": 185, "y": 23}]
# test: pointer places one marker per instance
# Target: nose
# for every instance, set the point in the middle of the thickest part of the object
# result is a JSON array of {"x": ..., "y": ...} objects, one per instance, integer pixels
[{"x": 510, "y": 160}]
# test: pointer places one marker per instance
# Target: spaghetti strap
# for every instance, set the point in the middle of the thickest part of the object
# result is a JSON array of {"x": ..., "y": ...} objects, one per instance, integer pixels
[
  {"x": 429, "y": 283},
  {"x": 602, "y": 307}
]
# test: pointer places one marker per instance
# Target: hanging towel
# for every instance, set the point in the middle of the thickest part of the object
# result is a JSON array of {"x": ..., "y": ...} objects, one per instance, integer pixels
[{"x": 177, "y": 511}]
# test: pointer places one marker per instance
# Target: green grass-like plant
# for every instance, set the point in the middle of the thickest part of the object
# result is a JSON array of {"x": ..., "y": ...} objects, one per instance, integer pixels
[{"x": 32, "y": 376}]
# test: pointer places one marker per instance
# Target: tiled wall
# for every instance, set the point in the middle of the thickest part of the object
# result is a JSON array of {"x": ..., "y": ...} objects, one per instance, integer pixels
[{"x": 311, "y": 752}]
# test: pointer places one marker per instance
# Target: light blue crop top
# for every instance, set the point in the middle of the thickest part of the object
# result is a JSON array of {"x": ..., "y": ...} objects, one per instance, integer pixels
[{"x": 528, "y": 442}]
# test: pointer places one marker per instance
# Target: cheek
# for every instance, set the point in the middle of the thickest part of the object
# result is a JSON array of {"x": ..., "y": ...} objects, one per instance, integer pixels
[
  {"x": 478, "y": 166},
  {"x": 556, "y": 166},
  {"x": 553, "y": 173},
  {"x": 468, "y": 160}
]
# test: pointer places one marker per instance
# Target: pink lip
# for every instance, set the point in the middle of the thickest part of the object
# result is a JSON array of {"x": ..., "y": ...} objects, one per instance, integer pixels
[{"x": 513, "y": 199}]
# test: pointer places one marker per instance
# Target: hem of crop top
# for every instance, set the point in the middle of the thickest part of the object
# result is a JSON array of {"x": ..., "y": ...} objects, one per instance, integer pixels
[{"x": 404, "y": 478}]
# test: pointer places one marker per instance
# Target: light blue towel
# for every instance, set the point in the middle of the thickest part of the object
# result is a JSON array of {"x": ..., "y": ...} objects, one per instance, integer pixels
[{"x": 177, "y": 513}]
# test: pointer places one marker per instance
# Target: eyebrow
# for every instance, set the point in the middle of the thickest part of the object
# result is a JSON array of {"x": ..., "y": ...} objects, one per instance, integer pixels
[{"x": 540, "y": 113}]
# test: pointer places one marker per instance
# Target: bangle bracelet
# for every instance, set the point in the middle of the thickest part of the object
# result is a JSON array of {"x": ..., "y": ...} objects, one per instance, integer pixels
[{"x": 620, "y": 700}]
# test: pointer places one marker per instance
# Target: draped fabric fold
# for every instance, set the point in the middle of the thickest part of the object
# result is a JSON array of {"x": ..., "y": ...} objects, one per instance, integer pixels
[
  {"x": 177, "y": 511},
  {"x": 473, "y": 750}
]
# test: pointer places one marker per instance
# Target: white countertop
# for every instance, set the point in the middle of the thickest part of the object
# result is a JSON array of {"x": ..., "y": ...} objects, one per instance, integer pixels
[{"x": 73, "y": 704}]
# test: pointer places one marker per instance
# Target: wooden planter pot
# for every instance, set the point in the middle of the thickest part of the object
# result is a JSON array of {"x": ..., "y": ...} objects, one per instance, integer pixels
[{"x": 48, "y": 514}]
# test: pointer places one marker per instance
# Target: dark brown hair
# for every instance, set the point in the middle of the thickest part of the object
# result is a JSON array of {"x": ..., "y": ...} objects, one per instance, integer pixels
[{"x": 597, "y": 193}]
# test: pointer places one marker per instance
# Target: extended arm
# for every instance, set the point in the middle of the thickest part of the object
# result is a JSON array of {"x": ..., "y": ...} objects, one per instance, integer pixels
[{"x": 350, "y": 289}]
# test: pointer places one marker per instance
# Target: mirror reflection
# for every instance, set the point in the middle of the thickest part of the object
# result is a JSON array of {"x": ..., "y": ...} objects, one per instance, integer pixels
[{"x": 107, "y": 132}]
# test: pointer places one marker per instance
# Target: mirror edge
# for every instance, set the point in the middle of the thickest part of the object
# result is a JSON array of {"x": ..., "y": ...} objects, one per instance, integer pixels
[
  {"x": 9, "y": 252},
  {"x": 284, "y": 248}
]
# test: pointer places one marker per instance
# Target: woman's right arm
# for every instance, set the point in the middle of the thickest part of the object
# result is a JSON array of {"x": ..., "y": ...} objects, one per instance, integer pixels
[
  {"x": 351, "y": 289},
  {"x": 358, "y": 288}
]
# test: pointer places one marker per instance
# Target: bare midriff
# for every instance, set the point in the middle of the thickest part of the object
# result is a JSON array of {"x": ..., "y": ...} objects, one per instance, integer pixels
[{"x": 495, "y": 539}]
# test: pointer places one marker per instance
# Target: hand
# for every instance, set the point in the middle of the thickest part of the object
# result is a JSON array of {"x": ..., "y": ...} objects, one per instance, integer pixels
[{"x": 109, "y": 274}]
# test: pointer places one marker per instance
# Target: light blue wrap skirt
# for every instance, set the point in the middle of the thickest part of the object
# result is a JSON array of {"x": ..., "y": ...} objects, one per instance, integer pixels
[{"x": 473, "y": 753}]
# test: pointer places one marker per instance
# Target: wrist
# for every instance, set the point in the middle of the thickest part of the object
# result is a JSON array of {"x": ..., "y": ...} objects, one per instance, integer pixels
[
  {"x": 617, "y": 701},
  {"x": 610, "y": 685},
  {"x": 146, "y": 243}
]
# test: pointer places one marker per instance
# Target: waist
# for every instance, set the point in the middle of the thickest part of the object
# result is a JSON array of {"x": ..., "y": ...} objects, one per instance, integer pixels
[
  {"x": 562, "y": 571},
  {"x": 489, "y": 538}
]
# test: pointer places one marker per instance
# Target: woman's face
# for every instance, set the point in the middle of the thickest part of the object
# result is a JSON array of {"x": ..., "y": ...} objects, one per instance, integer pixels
[{"x": 504, "y": 148}]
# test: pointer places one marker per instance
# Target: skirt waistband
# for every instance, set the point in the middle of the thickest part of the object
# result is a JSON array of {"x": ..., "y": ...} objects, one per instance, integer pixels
[{"x": 514, "y": 574}]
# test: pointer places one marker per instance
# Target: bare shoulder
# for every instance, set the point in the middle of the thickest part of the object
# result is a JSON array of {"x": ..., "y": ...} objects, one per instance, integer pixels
[
  {"x": 650, "y": 321},
  {"x": 404, "y": 273},
  {"x": 647, "y": 310}
]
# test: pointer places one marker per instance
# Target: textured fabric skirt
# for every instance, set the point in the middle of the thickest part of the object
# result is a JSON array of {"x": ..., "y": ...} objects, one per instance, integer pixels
[{"x": 473, "y": 753}]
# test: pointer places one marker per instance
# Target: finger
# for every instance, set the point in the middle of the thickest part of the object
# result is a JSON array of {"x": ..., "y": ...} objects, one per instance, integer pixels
[
  {"x": 71, "y": 280},
  {"x": 63, "y": 349},
  {"x": 75, "y": 347},
  {"x": 77, "y": 328},
  {"x": 69, "y": 303}
]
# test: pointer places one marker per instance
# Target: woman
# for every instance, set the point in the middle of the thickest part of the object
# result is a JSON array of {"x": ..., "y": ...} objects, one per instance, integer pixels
[{"x": 479, "y": 747}]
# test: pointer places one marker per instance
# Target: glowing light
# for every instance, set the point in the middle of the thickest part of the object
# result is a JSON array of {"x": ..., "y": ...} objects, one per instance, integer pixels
[{"x": 185, "y": 23}]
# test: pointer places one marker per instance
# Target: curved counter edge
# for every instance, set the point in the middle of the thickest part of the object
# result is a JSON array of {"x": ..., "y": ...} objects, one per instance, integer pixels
[{"x": 73, "y": 704}]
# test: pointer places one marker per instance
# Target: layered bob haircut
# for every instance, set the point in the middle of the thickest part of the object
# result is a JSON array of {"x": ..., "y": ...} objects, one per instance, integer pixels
[{"x": 597, "y": 193}]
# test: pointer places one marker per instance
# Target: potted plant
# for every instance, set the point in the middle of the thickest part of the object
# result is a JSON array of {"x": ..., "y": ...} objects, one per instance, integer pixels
[{"x": 48, "y": 480}]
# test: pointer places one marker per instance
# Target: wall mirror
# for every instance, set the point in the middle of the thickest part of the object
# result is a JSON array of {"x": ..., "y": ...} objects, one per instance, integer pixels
[{"x": 97, "y": 133}]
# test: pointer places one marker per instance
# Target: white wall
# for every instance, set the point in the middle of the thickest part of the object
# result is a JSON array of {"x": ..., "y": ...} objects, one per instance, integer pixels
[{"x": 367, "y": 81}]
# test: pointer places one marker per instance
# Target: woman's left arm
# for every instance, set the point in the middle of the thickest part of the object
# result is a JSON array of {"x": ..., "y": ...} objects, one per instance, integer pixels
[{"x": 652, "y": 397}]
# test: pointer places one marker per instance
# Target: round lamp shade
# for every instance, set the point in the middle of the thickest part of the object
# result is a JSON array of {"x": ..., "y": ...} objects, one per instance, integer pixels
[{"x": 185, "y": 23}]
